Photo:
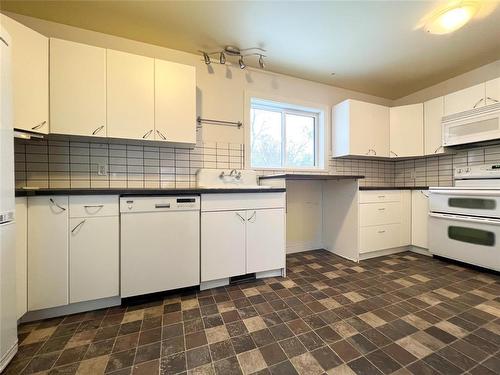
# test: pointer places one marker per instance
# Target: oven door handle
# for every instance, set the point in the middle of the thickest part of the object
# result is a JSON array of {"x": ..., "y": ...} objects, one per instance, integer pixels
[
  {"x": 457, "y": 192},
  {"x": 467, "y": 219}
]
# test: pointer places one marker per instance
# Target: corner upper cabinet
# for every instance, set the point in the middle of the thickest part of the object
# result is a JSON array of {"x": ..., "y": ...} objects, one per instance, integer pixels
[
  {"x": 175, "y": 102},
  {"x": 130, "y": 89},
  {"x": 464, "y": 100},
  {"x": 77, "y": 89},
  {"x": 407, "y": 130},
  {"x": 433, "y": 134},
  {"x": 30, "y": 77},
  {"x": 360, "y": 129}
]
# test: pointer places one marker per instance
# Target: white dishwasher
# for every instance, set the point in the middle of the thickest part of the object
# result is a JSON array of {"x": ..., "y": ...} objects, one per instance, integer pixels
[{"x": 160, "y": 243}]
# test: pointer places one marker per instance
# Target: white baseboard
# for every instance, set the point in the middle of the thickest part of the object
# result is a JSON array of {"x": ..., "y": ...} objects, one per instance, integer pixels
[
  {"x": 298, "y": 247},
  {"x": 420, "y": 250},
  {"x": 7, "y": 357},
  {"x": 379, "y": 253},
  {"x": 214, "y": 283},
  {"x": 73, "y": 308}
]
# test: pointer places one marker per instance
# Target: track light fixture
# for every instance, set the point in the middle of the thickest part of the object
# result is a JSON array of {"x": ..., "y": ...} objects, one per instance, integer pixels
[{"x": 235, "y": 52}]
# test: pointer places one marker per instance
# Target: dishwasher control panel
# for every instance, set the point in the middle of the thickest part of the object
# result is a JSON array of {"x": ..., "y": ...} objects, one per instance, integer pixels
[{"x": 159, "y": 203}]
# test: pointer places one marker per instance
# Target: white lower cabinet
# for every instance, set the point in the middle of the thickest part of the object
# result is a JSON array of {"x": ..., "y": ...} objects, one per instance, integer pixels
[
  {"x": 22, "y": 255},
  {"x": 222, "y": 244},
  {"x": 419, "y": 218},
  {"x": 264, "y": 239},
  {"x": 47, "y": 252},
  {"x": 237, "y": 238},
  {"x": 94, "y": 258}
]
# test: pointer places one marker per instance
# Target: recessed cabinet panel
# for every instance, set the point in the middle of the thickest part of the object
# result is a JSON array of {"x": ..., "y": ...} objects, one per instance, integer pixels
[
  {"x": 175, "y": 102},
  {"x": 222, "y": 244},
  {"x": 419, "y": 218},
  {"x": 407, "y": 130},
  {"x": 130, "y": 102},
  {"x": 94, "y": 258},
  {"x": 265, "y": 240},
  {"x": 433, "y": 115},
  {"x": 464, "y": 100},
  {"x": 47, "y": 252},
  {"x": 77, "y": 89},
  {"x": 30, "y": 77}
]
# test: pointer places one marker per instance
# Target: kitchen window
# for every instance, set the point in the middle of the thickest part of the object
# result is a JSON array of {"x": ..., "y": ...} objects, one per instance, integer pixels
[{"x": 285, "y": 136}]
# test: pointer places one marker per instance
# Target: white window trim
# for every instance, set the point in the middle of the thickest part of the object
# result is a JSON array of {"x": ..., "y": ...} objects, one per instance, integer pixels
[{"x": 290, "y": 104}]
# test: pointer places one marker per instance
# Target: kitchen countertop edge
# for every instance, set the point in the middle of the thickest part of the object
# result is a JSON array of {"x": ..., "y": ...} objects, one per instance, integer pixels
[
  {"x": 129, "y": 192},
  {"x": 297, "y": 176},
  {"x": 393, "y": 188}
]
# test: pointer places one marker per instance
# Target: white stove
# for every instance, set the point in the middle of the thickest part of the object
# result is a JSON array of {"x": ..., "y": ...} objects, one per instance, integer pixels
[{"x": 464, "y": 220}]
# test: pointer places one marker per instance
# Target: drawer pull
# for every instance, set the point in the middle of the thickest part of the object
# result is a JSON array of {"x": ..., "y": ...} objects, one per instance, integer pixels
[
  {"x": 381, "y": 196},
  {"x": 77, "y": 226},
  {"x": 94, "y": 206},
  {"x": 165, "y": 205},
  {"x": 381, "y": 231},
  {"x": 381, "y": 209}
]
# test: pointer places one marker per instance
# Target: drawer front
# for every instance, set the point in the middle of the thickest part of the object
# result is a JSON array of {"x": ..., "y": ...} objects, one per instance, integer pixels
[
  {"x": 379, "y": 213},
  {"x": 241, "y": 201},
  {"x": 93, "y": 205},
  {"x": 379, "y": 237},
  {"x": 378, "y": 196}
]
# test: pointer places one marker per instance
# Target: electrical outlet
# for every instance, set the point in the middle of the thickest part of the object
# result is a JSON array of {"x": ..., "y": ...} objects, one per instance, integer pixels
[{"x": 102, "y": 170}]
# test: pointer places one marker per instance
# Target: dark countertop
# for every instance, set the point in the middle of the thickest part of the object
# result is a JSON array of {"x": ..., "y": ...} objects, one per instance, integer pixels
[
  {"x": 127, "y": 192},
  {"x": 394, "y": 188},
  {"x": 293, "y": 176}
]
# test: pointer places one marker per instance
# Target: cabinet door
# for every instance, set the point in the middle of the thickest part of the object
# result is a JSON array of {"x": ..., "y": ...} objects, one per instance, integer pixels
[
  {"x": 222, "y": 244},
  {"x": 369, "y": 129},
  {"x": 94, "y": 258},
  {"x": 47, "y": 252},
  {"x": 265, "y": 240},
  {"x": 419, "y": 218},
  {"x": 464, "y": 100},
  {"x": 77, "y": 89},
  {"x": 175, "y": 102},
  {"x": 492, "y": 91},
  {"x": 407, "y": 130},
  {"x": 22, "y": 255},
  {"x": 130, "y": 85},
  {"x": 30, "y": 77},
  {"x": 433, "y": 114}
]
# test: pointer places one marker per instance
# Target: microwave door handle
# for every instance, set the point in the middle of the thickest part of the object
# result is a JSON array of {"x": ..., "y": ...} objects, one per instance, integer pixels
[{"x": 467, "y": 219}]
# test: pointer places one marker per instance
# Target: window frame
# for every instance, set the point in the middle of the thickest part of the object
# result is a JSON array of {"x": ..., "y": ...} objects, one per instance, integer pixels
[{"x": 284, "y": 108}]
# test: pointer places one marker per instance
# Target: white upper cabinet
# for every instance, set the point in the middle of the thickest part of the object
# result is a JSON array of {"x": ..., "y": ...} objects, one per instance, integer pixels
[
  {"x": 361, "y": 129},
  {"x": 175, "y": 102},
  {"x": 30, "y": 77},
  {"x": 492, "y": 91},
  {"x": 464, "y": 100},
  {"x": 433, "y": 135},
  {"x": 77, "y": 89},
  {"x": 407, "y": 130},
  {"x": 130, "y": 101}
]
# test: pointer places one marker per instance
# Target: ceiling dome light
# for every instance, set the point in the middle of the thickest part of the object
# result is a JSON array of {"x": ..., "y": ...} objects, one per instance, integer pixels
[
  {"x": 242, "y": 63},
  {"x": 452, "y": 18}
]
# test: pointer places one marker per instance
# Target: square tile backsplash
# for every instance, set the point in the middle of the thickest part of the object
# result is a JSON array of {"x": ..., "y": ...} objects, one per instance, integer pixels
[{"x": 71, "y": 163}]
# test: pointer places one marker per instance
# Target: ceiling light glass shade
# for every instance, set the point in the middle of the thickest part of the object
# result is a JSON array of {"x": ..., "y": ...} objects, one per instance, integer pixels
[
  {"x": 206, "y": 58},
  {"x": 261, "y": 62},
  {"x": 452, "y": 18},
  {"x": 222, "y": 58},
  {"x": 242, "y": 63}
]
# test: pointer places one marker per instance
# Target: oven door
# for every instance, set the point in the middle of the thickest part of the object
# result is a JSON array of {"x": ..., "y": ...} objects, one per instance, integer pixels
[
  {"x": 468, "y": 239},
  {"x": 482, "y": 203}
]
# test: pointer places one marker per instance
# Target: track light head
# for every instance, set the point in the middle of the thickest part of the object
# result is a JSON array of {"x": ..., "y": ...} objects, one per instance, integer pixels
[
  {"x": 261, "y": 62},
  {"x": 222, "y": 58},
  {"x": 206, "y": 57},
  {"x": 242, "y": 63}
]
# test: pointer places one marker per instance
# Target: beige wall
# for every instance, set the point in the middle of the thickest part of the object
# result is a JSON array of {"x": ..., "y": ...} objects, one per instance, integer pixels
[{"x": 481, "y": 74}]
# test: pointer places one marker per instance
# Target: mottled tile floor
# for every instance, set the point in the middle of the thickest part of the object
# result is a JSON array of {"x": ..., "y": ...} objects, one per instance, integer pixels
[{"x": 402, "y": 314}]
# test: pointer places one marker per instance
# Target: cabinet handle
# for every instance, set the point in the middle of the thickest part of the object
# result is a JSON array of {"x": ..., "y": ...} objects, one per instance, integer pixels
[
  {"x": 98, "y": 130},
  {"x": 94, "y": 206},
  {"x": 55, "y": 204},
  {"x": 437, "y": 149},
  {"x": 241, "y": 217},
  {"x": 425, "y": 195},
  {"x": 147, "y": 134},
  {"x": 381, "y": 231},
  {"x": 36, "y": 127},
  {"x": 161, "y": 134},
  {"x": 479, "y": 101},
  {"x": 392, "y": 152},
  {"x": 381, "y": 209},
  {"x": 492, "y": 99},
  {"x": 371, "y": 150},
  {"x": 254, "y": 216},
  {"x": 78, "y": 226},
  {"x": 381, "y": 196}
]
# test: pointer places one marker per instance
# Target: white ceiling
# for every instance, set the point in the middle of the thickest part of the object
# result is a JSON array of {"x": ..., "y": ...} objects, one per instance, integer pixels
[{"x": 372, "y": 46}]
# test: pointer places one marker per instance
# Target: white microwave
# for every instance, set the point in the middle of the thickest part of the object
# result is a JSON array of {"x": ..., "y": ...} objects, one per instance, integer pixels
[{"x": 477, "y": 125}]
